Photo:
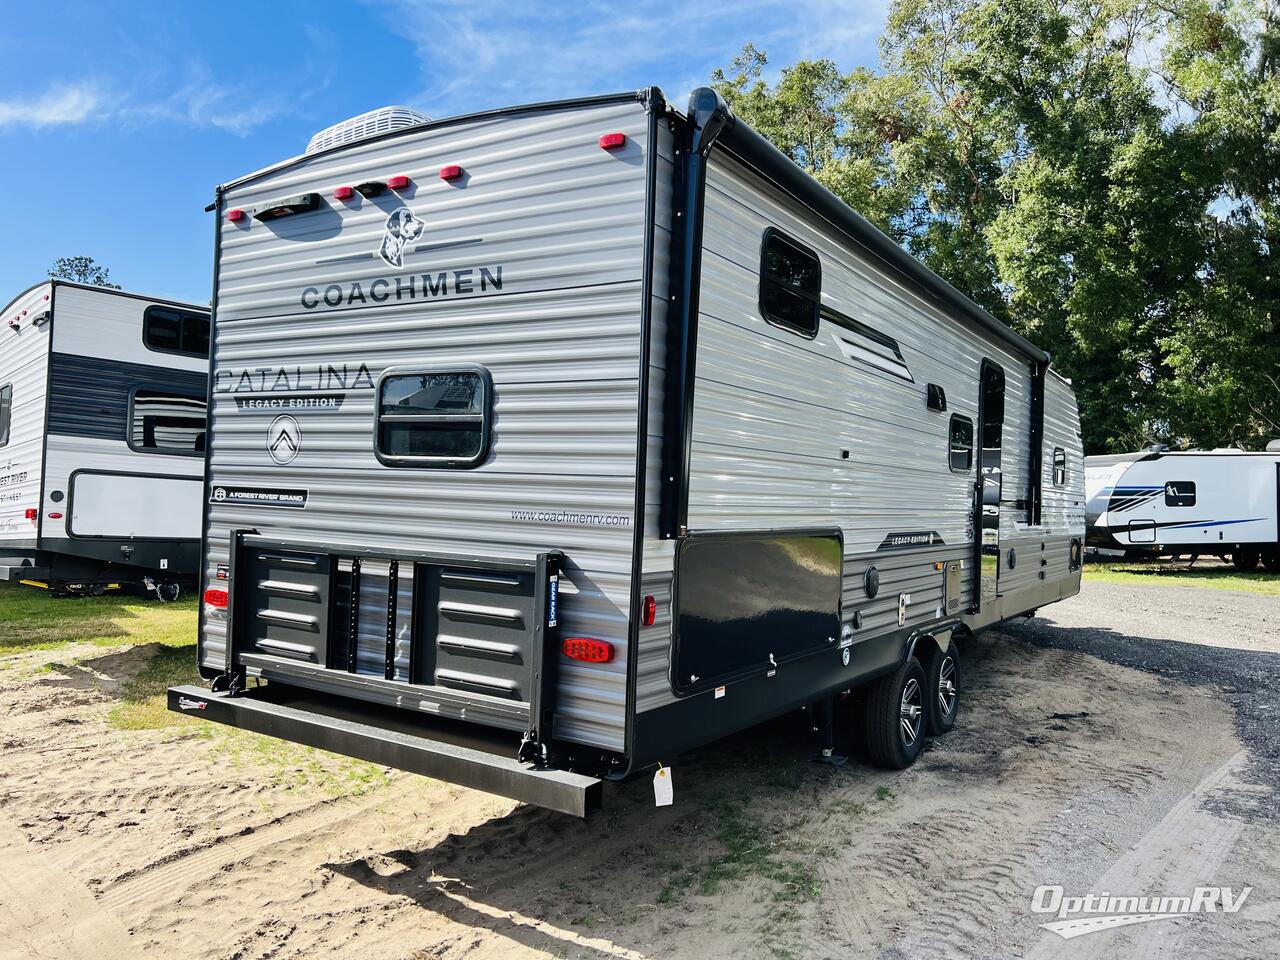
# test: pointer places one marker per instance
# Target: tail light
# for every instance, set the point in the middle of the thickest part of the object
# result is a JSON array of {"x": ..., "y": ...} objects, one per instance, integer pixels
[
  {"x": 588, "y": 650},
  {"x": 30, "y": 513},
  {"x": 650, "y": 611},
  {"x": 612, "y": 141},
  {"x": 214, "y": 597}
]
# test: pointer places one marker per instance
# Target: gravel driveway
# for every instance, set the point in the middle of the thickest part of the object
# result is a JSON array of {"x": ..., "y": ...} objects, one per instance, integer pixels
[{"x": 1222, "y": 639}]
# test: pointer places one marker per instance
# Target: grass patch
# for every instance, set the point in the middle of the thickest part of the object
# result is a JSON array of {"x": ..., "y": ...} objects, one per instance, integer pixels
[
  {"x": 33, "y": 619},
  {"x": 1176, "y": 574},
  {"x": 750, "y": 850},
  {"x": 144, "y": 701},
  {"x": 279, "y": 763}
]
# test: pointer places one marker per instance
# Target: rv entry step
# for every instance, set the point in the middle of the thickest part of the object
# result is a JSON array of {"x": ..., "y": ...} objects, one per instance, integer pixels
[{"x": 448, "y": 750}]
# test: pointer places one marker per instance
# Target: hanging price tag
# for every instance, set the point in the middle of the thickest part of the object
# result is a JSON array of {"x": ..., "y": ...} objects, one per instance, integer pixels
[{"x": 663, "y": 792}]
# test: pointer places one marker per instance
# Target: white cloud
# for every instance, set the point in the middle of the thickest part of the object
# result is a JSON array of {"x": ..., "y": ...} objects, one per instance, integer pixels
[
  {"x": 56, "y": 107},
  {"x": 158, "y": 94},
  {"x": 489, "y": 53}
]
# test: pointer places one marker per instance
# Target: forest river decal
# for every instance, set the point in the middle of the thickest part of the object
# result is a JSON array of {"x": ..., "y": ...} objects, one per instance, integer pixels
[{"x": 403, "y": 227}]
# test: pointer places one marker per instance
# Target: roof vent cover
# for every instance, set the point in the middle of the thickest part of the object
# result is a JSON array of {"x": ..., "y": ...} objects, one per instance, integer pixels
[{"x": 368, "y": 124}]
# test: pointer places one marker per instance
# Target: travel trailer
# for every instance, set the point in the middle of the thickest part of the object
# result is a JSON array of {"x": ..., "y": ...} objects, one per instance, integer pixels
[
  {"x": 102, "y": 435},
  {"x": 553, "y": 441},
  {"x": 1170, "y": 503}
]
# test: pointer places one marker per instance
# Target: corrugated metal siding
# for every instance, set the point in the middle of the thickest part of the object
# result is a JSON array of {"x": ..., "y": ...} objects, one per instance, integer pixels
[
  {"x": 774, "y": 413},
  {"x": 566, "y": 221},
  {"x": 24, "y": 360},
  {"x": 89, "y": 396}
]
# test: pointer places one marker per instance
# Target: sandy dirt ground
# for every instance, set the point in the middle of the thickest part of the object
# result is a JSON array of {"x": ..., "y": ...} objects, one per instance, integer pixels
[{"x": 1065, "y": 768}]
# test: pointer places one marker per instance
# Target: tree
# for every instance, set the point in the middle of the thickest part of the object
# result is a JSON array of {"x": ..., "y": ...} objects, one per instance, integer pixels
[
  {"x": 82, "y": 270},
  {"x": 1102, "y": 177}
]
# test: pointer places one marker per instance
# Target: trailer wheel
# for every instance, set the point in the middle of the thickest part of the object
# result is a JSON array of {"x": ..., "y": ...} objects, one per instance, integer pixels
[
  {"x": 896, "y": 716},
  {"x": 1244, "y": 559},
  {"x": 944, "y": 689},
  {"x": 1271, "y": 559}
]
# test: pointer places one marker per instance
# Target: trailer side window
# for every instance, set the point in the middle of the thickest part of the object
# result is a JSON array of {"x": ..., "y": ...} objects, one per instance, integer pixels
[
  {"x": 1180, "y": 493},
  {"x": 175, "y": 331},
  {"x": 6, "y": 412},
  {"x": 790, "y": 284},
  {"x": 961, "y": 443},
  {"x": 1059, "y": 467},
  {"x": 161, "y": 421},
  {"x": 436, "y": 418}
]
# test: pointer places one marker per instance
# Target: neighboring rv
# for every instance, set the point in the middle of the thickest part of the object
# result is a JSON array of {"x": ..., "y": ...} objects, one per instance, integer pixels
[
  {"x": 102, "y": 433},
  {"x": 1162, "y": 503},
  {"x": 550, "y": 442}
]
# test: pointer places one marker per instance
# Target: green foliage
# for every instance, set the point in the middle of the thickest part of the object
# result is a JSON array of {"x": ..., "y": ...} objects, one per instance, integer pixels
[
  {"x": 82, "y": 270},
  {"x": 1103, "y": 177}
]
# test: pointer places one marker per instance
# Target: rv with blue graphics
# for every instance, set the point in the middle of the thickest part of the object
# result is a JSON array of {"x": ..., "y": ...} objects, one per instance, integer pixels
[
  {"x": 102, "y": 431},
  {"x": 1213, "y": 502}
]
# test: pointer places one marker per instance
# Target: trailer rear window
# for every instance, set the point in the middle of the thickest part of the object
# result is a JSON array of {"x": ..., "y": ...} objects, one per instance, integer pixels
[
  {"x": 434, "y": 418},
  {"x": 790, "y": 284},
  {"x": 6, "y": 412},
  {"x": 961, "y": 443},
  {"x": 175, "y": 331},
  {"x": 161, "y": 421}
]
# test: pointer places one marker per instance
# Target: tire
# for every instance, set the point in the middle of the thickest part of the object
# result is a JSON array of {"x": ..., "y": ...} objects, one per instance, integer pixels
[
  {"x": 886, "y": 725},
  {"x": 943, "y": 685},
  {"x": 1244, "y": 559},
  {"x": 1271, "y": 559}
]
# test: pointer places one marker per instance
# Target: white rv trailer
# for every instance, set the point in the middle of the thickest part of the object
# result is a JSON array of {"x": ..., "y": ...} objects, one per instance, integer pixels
[
  {"x": 1161, "y": 502},
  {"x": 550, "y": 442},
  {"x": 102, "y": 431}
]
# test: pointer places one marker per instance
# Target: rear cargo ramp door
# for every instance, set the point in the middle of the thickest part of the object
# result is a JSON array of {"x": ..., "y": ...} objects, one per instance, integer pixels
[{"x": 462, "y": 638}]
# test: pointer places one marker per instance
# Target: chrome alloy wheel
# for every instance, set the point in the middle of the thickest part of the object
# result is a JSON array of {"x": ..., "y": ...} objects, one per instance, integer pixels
[
  {"x": 946, "y": 687},
  {"x": 911, "y": 712}
]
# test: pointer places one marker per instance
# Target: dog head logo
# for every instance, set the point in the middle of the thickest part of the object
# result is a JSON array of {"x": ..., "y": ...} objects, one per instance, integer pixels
[{"x": 402, "y": 229}]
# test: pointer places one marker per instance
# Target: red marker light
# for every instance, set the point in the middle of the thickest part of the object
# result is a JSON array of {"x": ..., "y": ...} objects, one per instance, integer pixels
[
  {"x": 451, "y": 172},
  {"x": 30, "y": 513},
  {"x": 235, "y": 216},
  {"x": 216, "y": 598},
  {"x": 650, "y": 611},
  {"x": 612, "y": 141},
  {"x": 343, "y": 193},
  {"x": 397, "y": 183},
  {"x": 55, "y": 516},
  {"x": 587, "y": 649}
]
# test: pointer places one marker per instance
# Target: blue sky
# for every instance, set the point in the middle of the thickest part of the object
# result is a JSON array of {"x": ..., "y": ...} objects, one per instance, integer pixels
[{"x": 118, "y": 118}]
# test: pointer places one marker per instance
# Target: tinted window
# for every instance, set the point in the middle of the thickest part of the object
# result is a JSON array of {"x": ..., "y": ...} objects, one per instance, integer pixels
[
  {"x": 790, "y": 284},
  {"x": 164, "y": 422},
  {"x": 175, "y": 331},
  {"x": 1180, "y": 493},
  {"x": 1059, "y": 467},
  {"x": 961, "y": 443},
  {"x": 6, "y": 412},
  {"x": 433, "y": 418}
]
